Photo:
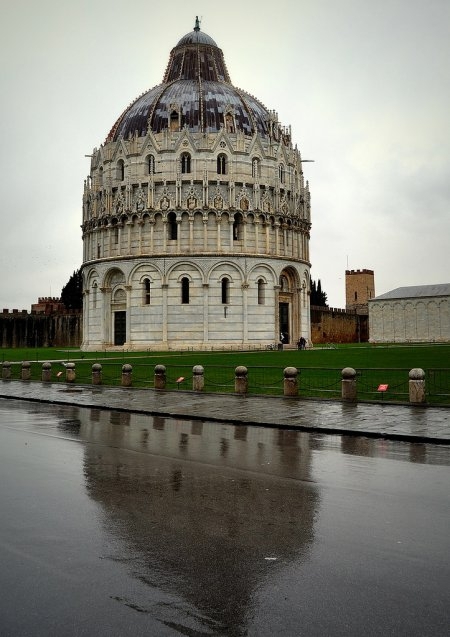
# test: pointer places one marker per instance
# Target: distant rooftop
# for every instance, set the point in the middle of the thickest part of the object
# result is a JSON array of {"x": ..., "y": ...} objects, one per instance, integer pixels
[{"x": 416, "y": 291}]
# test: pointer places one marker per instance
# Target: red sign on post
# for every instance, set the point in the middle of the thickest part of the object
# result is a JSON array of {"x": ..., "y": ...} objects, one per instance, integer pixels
[{"x": 383, "y": 387}]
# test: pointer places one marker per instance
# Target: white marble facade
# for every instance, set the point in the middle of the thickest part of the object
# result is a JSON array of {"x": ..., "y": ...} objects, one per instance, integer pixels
[
  {"x": 411, "y": 314},
  {"x": 196, "y": 219}
]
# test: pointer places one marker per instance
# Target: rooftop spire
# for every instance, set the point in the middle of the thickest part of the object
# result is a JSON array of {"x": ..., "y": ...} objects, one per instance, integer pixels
[{"x": 197, "y": 24}]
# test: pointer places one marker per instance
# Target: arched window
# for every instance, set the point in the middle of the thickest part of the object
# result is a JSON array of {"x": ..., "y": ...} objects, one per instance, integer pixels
[
  {"x": 225, "y": 290},
  {"x": 94, "y": 295},
  {"x": 281, "y": 173},
  {"x": 172, "y": 226},
  {"x": 261, "y": 292},
  {"x": 174, "y": 121},
  {"x": 185, "y": 290},
  {"x": 185, "y": 163},
  {"x": 256, "y": 167},
  {"x": 116, "y": 234},
  {"x": 146, "y": 291},
  {"x": 237, "y": 227},
  {"x": 222, "y": 164},
  {"x": 120, "y": 170},
  {"x": 151, "y": 164},
  {"x": 229, "y": 123},
  {"x": 284, "y": 283}
]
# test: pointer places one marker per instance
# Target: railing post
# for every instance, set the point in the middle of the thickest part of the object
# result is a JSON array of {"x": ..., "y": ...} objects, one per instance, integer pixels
[
  {"x": 417, "y": 386},
  {"x": 241, "y": 380},
  {"x": 46, "y": 372},
  {"x": 198, "y": 378},
  {"x": 160, "y": 377},
  {"x": 70, "y": 372},
  {"x": 290, "y": 381},
  {"x": 96, "y": 374},
  {"x": 6, "y": 370},
  {"x": 127, "y": 372},
  {"x": 349, "y": 389},
  {"x": 26, "y": 370}
]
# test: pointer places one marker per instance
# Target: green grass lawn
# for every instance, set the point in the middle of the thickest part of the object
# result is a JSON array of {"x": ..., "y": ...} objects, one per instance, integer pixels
[{"x": 319, "y": 368}]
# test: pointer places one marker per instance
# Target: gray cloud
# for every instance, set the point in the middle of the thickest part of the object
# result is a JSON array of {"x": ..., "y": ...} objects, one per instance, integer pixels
[{"x": 365, "y": 87}]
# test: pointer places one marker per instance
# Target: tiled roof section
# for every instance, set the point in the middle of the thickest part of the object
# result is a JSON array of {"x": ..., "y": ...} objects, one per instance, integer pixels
[
  {"x": 416, "y": 291},
  {"x": 194, "y": 62},
  {"x": 196, "y": 37},
  {"x": 198, "y": 84},
  {"x": 198, "y": 115}
]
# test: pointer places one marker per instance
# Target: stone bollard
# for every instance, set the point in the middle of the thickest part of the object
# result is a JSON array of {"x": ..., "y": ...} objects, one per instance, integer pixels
[
  {"x": 290, "y": 381},
  {"x": 417, "y": 386},
  {"x": 349, "y": 389},
  {"x": 26, "y": 370},
  {"x": 46, "y": 372},
  {"x": 127, "y": 372},
  {"x": 241, "y": 380},
  {"x": 198, "y": 378},
  {"x": 70, "y": 372},
  {"x": 96, "y": 374},
  {"x": 160, "y": 377},
  {"x": 6, "y": 370}
]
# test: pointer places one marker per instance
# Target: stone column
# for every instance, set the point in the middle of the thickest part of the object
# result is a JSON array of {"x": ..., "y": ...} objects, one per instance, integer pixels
[
  {"x": 291, "y": 381},
  {"x": 6, "y": 370},
  {"x": 70, "y": 372},
  {"x": 349, "y": 389},
  {"x": 160, "y": 377},
  {"x": 26, "y": 370},
  {"x": 241, "y": 380},
  {"x": 46, "y": 372},
  {"x": 417, "y": 386},
  {"x": 198, "y": 378},
  {"x": 127, "y": 372},
  {"x": 96, "y": 374}
]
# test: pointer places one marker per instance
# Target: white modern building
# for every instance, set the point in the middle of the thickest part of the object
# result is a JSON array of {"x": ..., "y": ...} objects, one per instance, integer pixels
[
  {"x": 419, "y": 313},
  {"x": 196, "y": 218}
]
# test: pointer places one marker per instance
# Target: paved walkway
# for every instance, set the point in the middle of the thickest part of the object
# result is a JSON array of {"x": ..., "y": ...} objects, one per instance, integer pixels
[{"x": 400, "y": 422}]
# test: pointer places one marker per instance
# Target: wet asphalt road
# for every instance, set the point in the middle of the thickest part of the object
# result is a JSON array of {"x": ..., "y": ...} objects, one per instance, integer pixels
[{"x": 129, "y": 524}]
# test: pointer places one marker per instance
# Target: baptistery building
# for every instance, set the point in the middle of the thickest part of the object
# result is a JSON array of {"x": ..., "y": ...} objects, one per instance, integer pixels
[{"x": 196, "y": 218}]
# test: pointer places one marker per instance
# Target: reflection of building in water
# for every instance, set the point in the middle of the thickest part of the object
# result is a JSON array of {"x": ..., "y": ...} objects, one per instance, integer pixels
[{"x": 201, "y": 507}]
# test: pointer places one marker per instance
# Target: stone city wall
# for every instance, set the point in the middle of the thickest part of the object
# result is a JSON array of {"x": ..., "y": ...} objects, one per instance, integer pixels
[
  {"x": 332, "y": 325},
  {"x": 20, "y": 329}
]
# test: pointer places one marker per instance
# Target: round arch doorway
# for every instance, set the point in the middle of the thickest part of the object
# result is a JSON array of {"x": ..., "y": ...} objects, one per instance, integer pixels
[{"x": 289, "y": 306}]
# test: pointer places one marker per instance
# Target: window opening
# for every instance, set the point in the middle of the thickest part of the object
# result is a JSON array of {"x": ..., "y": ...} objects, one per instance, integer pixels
[
  {"x": 185, "y": 163},
  {"x": 120, "y": 170},
  {"x": 185, "y": 290},
  {"x": 222, "y": 164},
  {"x": 173, "y": 226},
  {"x": 146, "y": 291},
  {"x": 237, "y": 227},
  {"x": 174, "y": 121},
  {"x": 225, "y": 290},
  {"x": 261, "y": 292}
]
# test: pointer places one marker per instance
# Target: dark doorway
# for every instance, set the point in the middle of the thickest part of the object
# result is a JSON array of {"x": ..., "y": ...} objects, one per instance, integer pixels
[
  {"x": 284, "y": 322},
  {"x": 120, "y": 328}
]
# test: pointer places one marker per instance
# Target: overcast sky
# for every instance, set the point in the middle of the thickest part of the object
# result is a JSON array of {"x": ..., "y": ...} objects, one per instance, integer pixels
[{"x": 365, "y": 86}]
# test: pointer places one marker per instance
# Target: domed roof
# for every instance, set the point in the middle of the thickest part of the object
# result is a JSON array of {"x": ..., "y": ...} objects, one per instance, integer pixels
[{"x": 197, "y": 92}]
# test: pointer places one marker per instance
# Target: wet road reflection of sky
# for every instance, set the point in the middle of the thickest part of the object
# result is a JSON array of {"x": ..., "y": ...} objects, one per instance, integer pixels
[{"x": 117, "y": 523}]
